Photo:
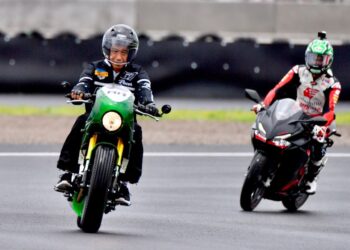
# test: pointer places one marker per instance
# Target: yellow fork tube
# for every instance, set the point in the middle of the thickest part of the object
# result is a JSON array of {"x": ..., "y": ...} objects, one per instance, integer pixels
[
  {"x": 120, "y": 149},
  {"x": 92, "y": 144}
]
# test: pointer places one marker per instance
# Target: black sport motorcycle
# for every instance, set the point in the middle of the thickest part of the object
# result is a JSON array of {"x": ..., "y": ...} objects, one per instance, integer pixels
[{"x": 281, "y": 137}]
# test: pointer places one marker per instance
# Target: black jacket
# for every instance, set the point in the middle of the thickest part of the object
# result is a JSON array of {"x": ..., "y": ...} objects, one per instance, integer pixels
[{"x": 132, "y": 76}]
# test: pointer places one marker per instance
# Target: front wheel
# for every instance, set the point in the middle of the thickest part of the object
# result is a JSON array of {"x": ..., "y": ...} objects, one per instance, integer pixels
[
  {"x": 294, "y": 203},
  {"x": 101, "y": 177},
  {"x": 253, "y": 188},
  {"x": 79, "y": 221}
]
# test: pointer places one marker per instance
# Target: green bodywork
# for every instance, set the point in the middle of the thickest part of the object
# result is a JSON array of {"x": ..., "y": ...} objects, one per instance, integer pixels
[
  {"x": 109, "y": 98},
  {"x": 77, "y": 206},
  {"x": 104, "y": 104}
]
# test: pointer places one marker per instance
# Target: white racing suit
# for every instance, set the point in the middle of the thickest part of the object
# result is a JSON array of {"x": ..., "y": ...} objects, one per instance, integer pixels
[{"x": 317, "y": 97}]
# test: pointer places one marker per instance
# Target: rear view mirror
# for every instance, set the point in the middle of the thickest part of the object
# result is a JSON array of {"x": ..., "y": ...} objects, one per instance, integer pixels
[
  {"x": 252, "y": 95},
  {"x": 66, "y": 85},
  {"x": 166, "y": 109}
]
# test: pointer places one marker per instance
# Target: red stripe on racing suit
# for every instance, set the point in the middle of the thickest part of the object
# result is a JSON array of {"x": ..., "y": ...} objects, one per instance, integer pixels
[{"x": 271, "y": 96}]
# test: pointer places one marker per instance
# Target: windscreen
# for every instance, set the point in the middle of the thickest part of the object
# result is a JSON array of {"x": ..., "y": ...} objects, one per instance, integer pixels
[{"x": 286, "y": 108}]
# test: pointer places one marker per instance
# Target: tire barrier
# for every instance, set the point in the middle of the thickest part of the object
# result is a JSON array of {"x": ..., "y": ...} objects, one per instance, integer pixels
[{"x": 206, "y": 67}]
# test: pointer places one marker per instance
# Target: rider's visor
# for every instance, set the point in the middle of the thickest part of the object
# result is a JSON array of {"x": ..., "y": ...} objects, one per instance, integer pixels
[
  {"x": 121, "y": 41},
  {"x": 317, "y": 61}
]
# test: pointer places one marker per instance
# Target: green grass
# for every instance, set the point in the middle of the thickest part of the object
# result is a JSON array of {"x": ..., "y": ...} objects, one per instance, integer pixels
[
  {"x": 211, "y": 115},
  {"x": 343, "y": 118},
  {"x": 48, "y": 111}
]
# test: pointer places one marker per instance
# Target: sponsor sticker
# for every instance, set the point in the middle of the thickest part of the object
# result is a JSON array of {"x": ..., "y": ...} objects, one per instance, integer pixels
[
  {"x": 128, "y": 76},
  {"x": 310, "y": 92},
  {"x": 336, "y": 96},
  {"x": 101, "y": 73}
]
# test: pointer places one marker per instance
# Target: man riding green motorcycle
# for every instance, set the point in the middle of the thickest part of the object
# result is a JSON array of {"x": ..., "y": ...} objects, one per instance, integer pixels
[{"x": 119, "y": 45}]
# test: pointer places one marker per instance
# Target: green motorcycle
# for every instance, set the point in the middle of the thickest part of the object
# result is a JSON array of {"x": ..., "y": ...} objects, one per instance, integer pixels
[{"x": 104, "y": 153}]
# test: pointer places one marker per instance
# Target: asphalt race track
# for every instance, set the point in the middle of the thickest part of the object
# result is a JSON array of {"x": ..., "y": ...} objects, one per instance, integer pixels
[{"x": 184, "y": 201}]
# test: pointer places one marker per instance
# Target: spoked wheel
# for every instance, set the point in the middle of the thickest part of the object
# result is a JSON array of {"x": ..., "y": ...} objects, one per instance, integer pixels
[
  {"x": 294, "y": 203},
  {"x": 253, "y": 188},
  {"x": 101, "y": 177}
]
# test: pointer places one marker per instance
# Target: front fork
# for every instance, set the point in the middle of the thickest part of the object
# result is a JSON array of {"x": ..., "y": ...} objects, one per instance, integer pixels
[
  {"x": 84, "y": 166},
  {"x": 77, "y": 197},
  {"x": 270, "y": 168},
  {"x": 121, "y": 164}
]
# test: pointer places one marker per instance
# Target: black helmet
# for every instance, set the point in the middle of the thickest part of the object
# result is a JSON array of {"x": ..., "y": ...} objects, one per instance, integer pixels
[{"x": 120, "y": 35}]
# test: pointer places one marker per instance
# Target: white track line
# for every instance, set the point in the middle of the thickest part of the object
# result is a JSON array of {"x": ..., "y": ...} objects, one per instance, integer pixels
[{"x": 162, "y": 154}]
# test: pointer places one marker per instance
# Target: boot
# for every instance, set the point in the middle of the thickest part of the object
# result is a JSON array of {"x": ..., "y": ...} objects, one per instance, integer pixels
[
  {"x": 123, "y": 195},
  {"x": 314, "y": 169},
  {"x": 64, "y": 183}
]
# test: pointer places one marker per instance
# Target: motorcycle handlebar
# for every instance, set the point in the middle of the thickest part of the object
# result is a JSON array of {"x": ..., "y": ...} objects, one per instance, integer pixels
[
  {"x": 86, "y": 98},
  {"x": 142, "y": 110}
]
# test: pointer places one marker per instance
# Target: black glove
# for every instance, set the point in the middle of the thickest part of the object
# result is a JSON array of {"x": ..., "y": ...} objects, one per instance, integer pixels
[
  {"x": 77, "y": 95},
  {"x": 151, "y": 109},
  {"x": 78, "y": 92}
]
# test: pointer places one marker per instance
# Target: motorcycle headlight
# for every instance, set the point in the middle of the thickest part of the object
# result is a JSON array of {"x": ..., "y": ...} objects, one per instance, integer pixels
[
  {"x": 261, "y": 128},
  {"x": 282, "y": 137},
  {"x": 111, "y": 121},
  {"x": 281, "y": 142}
]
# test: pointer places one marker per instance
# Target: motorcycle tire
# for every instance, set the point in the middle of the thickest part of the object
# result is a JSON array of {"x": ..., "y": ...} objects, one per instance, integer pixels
[
  {"x": 253, "y": 188},
  {"x": 101, "y": 177},
  {"x": 292, "y": 204},
  {"x": 79, "y": 221}
]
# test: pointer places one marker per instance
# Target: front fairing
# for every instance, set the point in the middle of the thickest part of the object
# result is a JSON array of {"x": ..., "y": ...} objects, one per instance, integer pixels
[
  {"x": 280, "y": 119},
  {"x": 280, "y": 135},
  {"x": 109, "y": 98}
]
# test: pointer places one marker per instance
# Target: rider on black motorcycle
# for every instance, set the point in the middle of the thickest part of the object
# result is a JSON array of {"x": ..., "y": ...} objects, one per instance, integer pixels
[
  {"x": 317, "y": 90},
  {"x": 119, "y": 45}
]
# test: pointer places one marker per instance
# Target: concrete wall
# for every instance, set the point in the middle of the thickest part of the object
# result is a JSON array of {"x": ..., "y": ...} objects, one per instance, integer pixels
[
  {"x": 247, "y": 18},
  {"x": 291, "y": 18},
  {"x": 82, "y": 17},
  {"x": 275, "y": 19},
  {"x": 206, "y": 16}
]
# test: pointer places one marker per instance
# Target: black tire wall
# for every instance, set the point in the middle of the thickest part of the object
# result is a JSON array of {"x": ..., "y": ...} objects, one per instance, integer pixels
[{"x": 206, "y": 67}]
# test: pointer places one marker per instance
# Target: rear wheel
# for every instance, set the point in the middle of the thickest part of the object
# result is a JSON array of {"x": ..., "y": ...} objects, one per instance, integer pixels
[
  {"x": 294, "y": 203},
  {"x": 101, "y": 177},
  {"x": 253, "y": 188}
]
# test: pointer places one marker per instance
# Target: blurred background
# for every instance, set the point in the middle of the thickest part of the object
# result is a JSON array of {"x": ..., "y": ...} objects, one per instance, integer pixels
[{"x": 190, "y": 48}]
